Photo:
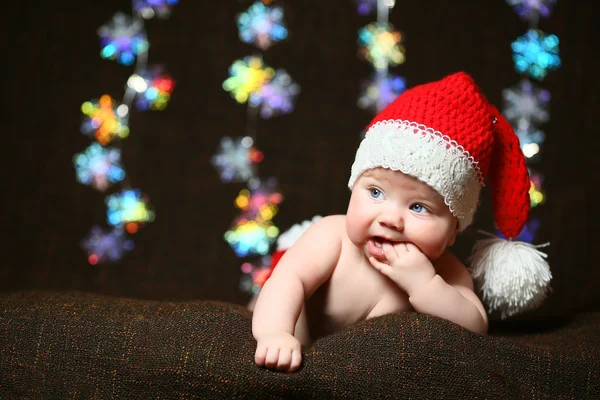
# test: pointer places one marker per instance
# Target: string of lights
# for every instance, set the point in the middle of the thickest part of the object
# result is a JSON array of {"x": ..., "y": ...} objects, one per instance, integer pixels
[
  {"x": 106, "y": 120},
  {"x": 381, "y": 45},
  {"x": 526, "y": 104},
  {"x": 267, "y": 92}
]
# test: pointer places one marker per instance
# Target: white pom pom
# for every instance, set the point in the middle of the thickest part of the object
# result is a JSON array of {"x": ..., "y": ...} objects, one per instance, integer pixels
[
  {"x": 514, "y": 276},
  {"x": 289, "y": 237}
]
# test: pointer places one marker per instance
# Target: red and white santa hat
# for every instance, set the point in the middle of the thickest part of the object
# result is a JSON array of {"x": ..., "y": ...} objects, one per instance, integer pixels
[{"x": 447, "y": 134}]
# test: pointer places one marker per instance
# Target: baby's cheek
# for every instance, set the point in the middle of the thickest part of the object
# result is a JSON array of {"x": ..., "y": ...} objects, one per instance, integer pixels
[
  {"x": 357, "y": 232},
  {"x": 435, "y": 251}
]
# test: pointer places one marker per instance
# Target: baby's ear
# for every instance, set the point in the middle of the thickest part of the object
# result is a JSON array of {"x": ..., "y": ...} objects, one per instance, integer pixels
[{"x": 453, "y": 237}]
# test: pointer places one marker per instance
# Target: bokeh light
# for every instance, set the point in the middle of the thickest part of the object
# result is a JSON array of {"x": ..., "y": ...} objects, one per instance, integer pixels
[
  {"x": 527, "y": 234},
  {"x": 531, "y": 10},
  {"x": 530, "y": 140},
  {"x": 153, "y": 89},
  {"x": 380, "y": 45},
  {"x": 122, "y": 39},
  {"x": 236, "y": 159},
  {"x": 104, "y": 246},
  {"x": 98, "y": 166},
  {"x": 128, "y": 208},
  {"x": 251, "y": 237},
  {"x": 260, "y": 203},
  {"x": 380, "y": 90},
  {"x": 254, "y": 276},
  {"x": 246, "y": 77},
  {"x": 535, "y": 53},
  {"x": 526, "y": 105},
  {"x": 105, "y": 120},
  {"x": 536, "y": 194},
  {"x": 262, "y": 25},
  {"x": 365, "y": 7},
  {"x": 147, "y": 9},
  {"x": 530, "y": 149},
  {"x": 277, "y": 96}
]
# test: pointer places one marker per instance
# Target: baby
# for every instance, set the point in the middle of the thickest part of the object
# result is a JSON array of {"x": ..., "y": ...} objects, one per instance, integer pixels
[{"x": 415, "y": 184}]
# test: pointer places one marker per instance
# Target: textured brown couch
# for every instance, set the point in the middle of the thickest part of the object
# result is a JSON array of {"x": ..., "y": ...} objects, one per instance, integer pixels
[{"x": 82, "y": 346}]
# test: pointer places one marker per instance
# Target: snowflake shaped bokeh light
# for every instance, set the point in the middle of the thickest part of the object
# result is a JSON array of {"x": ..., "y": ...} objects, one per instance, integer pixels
[
  {"x": 246, "y": 77},
  {"x": 535, "y": 53},
  {"x": 122, "y": 39},
  {"x": 147, "y": 9},
  {"x": 262, "y": 25},
  {"x": 277, "y": 96},
  {"x": 236, "y": 159},
  {"x": 380, "y": 44},
  {"x": 260, "y": 203},
  {"x": 379, "y": 91},
  {"x": 531, "y": 10},
  {"x": 526, "y": 104},
  {"x": 99, "y": 167},
  {"x": 128, "y": 208},
  {"x": 251, "y": 237},
  {"x": 104, "y": 246},
  {"x": 105, "y": 120},
  {"x": 153, "y": 89}
]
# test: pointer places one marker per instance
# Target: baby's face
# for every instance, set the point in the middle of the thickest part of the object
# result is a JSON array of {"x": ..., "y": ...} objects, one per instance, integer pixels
[{"x": 391, "y": 206}]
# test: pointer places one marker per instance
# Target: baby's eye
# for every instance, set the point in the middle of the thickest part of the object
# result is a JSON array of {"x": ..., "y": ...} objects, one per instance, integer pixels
[
  {"x": 419, "y": 208},
  {"x": 376, "y": 193}
]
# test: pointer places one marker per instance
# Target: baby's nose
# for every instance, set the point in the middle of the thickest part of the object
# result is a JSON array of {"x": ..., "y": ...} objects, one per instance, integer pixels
[{"x": 392, "y": 220}]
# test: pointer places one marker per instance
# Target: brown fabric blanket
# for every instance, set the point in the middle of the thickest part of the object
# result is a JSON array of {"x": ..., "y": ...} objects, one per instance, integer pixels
[{"x": 82, "y": 346}]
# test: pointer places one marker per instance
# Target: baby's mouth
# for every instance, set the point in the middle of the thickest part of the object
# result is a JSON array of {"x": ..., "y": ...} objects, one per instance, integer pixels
[
  {"x": 376, "y": 246},
  {"x": 378, "y": 241}
]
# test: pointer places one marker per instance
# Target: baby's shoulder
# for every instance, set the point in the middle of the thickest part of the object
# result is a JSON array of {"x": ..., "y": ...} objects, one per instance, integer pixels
[
  {"x": 331, "y": 223},
  {"x": 323, "y": 234}
]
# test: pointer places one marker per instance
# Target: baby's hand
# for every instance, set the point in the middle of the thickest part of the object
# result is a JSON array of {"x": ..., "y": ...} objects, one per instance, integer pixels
[
  {"x": 279, "y": 350},
  {"x": 408, "y": 267}
]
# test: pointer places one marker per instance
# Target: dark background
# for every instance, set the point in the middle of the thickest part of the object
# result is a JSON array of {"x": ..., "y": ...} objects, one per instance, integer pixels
[{"x": 52, "y": 55}]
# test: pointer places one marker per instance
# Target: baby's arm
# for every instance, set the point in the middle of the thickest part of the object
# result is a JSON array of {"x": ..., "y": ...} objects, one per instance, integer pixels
[
  {"x": 302, "y": 269},
  {"x": 444, "y": 291},
  {"x": 450, "y": 295}
]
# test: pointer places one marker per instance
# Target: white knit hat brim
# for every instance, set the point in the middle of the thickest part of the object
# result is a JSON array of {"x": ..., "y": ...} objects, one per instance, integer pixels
[{"x": 427, "y": 155}]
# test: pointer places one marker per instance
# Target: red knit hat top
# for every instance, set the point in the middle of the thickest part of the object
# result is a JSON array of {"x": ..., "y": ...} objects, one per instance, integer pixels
[{"x": 454, "y": 112}]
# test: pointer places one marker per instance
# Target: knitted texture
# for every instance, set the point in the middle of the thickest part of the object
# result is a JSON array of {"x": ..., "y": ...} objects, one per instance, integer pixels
[
  {"x": 509, "y": 180},
  {"x": 428, "y": 155},
  {"x": 454, "y": 106},
  {"x": 471, "y": 130}
]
